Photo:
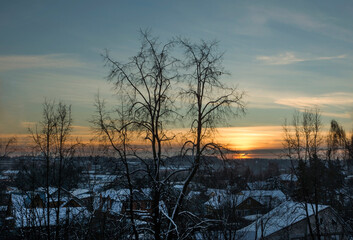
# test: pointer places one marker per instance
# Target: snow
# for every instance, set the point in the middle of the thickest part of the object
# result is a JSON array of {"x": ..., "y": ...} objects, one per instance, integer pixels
[
  {"x": 265, "y": 197},
  {"x": 3, "y": 208},
  {"x": 284, "y": 215},
  {"x": 252, "y": 217},
  {"x": 288, "y": 177},
  {"x": 4, "y": 177},
  {"x": 258, "y": 185},
  {"x": 27, "y": 217},
  {"x": 80, "y": 191},
  {"x": 120, "y": 194},
  {"x": 10, "y": 172}
]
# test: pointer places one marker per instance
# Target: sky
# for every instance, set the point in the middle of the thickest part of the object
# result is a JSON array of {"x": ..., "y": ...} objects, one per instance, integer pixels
[{"x": 285, "y": 55}]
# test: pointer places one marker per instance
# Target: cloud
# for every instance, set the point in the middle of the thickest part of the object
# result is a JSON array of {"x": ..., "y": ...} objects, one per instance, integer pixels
[
  {"x": 289, "y": 58},
  {"x": 14, "y": 62},
  {"x": 28, "y": 124},
  {"x": 257, "y": 21},
  {"x": 335, "y": 104},
  {"x": 337, "y": 115},
  {"x": 337, "y": 98}
]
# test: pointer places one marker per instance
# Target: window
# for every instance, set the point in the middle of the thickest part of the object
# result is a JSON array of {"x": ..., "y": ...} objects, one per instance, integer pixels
[
  {"x": 126, "y": 206},
  {"x": 138, "y": 206}
]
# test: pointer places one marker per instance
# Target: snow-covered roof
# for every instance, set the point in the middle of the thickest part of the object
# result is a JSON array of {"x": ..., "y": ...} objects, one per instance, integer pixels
[
  {"x": 10, "y": 172},
  {"x": 120, "y": 194},
  {"x": 28, "y": 217},
  {"x": 43, "y": 189},
  {"x": 25, "y": 216},
  {"x": 288, "y": 177},
  {"x": 3, "y": 208},
  {"x": 103, "y": 177},
  {"x": 178, "y": 186},
  {"x": 217, "y": 201},
  {"x": 215, "y": 191},
  {"x": 2, "y": 177},
  {"x": 146, "y": 191},
  {"x": 252, "y": 217},
  {"x": 81, "y": 193},
  {"x": 258, "y": 185},
  {"x": 117, "y": 197},
  {"x": 193, "y": 194},
  {"x": 265, "y": 197},
  {"x": 284, "y": 215}
]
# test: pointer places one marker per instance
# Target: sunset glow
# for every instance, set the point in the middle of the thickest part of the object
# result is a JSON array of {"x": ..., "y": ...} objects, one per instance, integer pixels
[
  {"x": 250, "y": 138},
  {"x": 272, "y": 54},
  {"x": 240, "y": 139}
]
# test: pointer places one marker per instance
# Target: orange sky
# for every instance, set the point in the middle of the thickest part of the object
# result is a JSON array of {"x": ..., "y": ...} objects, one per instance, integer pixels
[
  {"x": 242, "y": 139},
  {"x": 250, "y": 138}
]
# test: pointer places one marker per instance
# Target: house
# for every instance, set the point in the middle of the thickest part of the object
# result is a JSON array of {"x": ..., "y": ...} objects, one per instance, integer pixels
[
  {"x": 267, "y": 198},
  {"x": 290, "y": 221},
  {"x": 67, "y": 199},
  {"x": 110, "y": 201},
  {"x": 5, "y": 209},
  {"x": 288, "y": 181},
  {"x": 259, "y": 185},
  {"x": 38, "y": 199},
  {"x": 28, "y": 211},
  {"x": 35, "y": 200},
  {"x": 118, "y": 201},
  {"x": 4, "y": 179},
  {"x": 245, "y": 202},
  {"x": 85, "y": 196},
  {"x": 140, "y": 203},
  {"x": 10, "y": 173},
  {"x": 8, "y": 176}
]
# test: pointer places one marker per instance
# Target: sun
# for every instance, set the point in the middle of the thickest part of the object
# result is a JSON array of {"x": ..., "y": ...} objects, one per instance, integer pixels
[{"x": 244, "y": 155}]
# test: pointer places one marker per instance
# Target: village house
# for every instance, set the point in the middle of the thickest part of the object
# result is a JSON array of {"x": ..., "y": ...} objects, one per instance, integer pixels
[
  {"x": 290, "y": 221},
  {"x": 245, "y": 202},
  {"x": 118, "y": 202}
]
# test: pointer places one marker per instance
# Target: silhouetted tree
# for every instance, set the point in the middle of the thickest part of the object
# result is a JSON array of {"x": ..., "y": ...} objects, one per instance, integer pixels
[
  {"x": 52, "y": 141},
  {"x": 150, "y": 84},
  {"x": 318, "y": 180},
  {"x": 7, "y": 147}
]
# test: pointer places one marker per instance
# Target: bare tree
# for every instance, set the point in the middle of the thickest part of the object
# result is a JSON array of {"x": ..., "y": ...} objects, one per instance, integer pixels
[
  {"x": 116, "y": 133},
  {"x": 44, "y": 141},
  {"x": 340, "y": 144},
  {"x": 302, "y": 143},
  {"x": 318, "y": 179},
  {"x": 209, "y": 101},
  {"x": 64, "y": 150},
  {"x": 51, "y": 138},
  {"x": 303, "y": 138},
  {"x": 7, "y": 147},
  {"x": 150, "y": 84},
  {"x": 146, "y": 82}
]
